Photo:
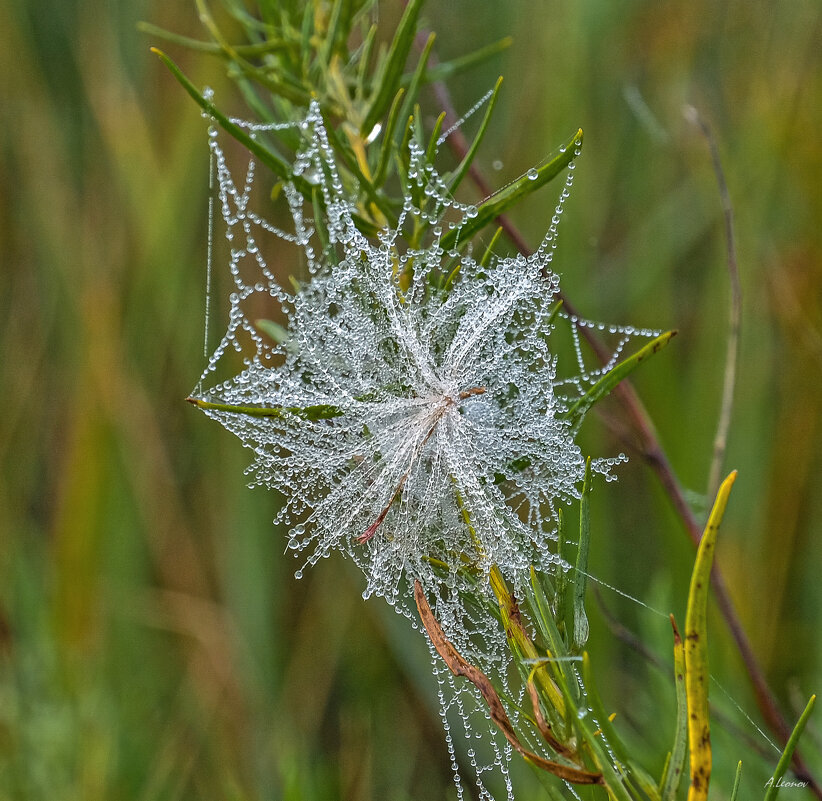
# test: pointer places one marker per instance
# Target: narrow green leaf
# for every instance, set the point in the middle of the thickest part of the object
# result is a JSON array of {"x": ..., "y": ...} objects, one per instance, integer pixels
[
  {"x": 393, "y": 66},
  {"x": 416, "y": 77},
  {"x": 676, "y": 761},
  {"x": 248, "y": 50},
  {"x": 787, "y": 754},
  {"x": 580, "y": 619},
  {"x": 431, "y": 150},
  {"x": 322, "y": 411},
  {"x": 514, "y": 192},
  {"x": 337, "y": 29},
  {"x": 448, "y": 69},
  {"x": 696, "y": 650},
  {"x": 563, "y": 585},
  {"x": 306, "y": 31},
  {"x": 406, "y": 140},
  {"x": 273, "y": 162},
  {"x": 614, "y": 376},
  {"x": 614, "y": 781},
  {"x": 489, "y": 251},
  {"x": 547, "y": 627},
  {"x": 381, "y": 172},
  {"x": 468, "y": 159},
  {"x": 738, "y": 776},
  {"x": 365, "y": 61}
]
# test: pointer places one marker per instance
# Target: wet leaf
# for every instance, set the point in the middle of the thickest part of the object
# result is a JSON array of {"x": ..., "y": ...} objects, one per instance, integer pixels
[{"x": 696, "y": 650}]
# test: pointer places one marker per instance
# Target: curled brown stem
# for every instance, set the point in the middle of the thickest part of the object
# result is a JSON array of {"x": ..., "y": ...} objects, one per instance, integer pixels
[{"x": 459, "y": 666}]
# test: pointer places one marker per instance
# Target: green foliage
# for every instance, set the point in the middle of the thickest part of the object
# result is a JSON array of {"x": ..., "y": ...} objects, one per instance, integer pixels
[{"x": 153, "y": 643}]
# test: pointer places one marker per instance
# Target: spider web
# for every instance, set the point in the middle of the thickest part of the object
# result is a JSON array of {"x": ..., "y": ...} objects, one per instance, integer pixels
[{"x": 428, "y": 373}]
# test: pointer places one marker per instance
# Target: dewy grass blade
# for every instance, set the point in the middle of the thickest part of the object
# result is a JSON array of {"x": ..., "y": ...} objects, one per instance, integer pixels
[
  {"x": 676, "y": 761},
  {"x": 514, "y": 192},
  {"x": 321, "y": 411},
  {"x": 381, "y": 172},
  {"x": 563, "y": 585},
  {"x": 579, "y": 618},
  {"x": 613, "y": 377},
  {"x": 546, "y": 624},
  {"x": 431, "y": 150},
  {"x": 273, "y": 162},
  {"x": 696, "y": 650},
  {"x": 489, "y": 251},
  {"x": 337, "y": 30},
  {"x": 775, "y": 782}
]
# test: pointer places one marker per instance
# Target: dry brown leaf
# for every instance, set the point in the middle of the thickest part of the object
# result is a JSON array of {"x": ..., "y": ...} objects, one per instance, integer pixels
[{"x": 460, "y": 667}]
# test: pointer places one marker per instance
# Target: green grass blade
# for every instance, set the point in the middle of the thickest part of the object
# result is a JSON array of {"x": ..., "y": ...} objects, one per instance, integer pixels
[
  {"x": 448, "y": 69},
  {"x": 676, "y": 762},
  {"x": 247, "y": 51},
  {"x": 563, "y": 585},
  {"x": 393, "y": 66},
  {"x": 614, "y": 779},
  {"x": 431, "y": 150},
  {"x": 381, "y": 172},
  {"x": 322, "y": 411},
  {"x": 469, "y": 157},
  {"x": 787, "y": 754},
  {"x": 696, "y": 650},
  {"x": 489, "y": 251},
  {"x": 273, "y": 162},
  {"x": 365, "y": 62},
  {"x": 579, "y": 618},
  {"x": 416, "y": 78},
  {"x": 735, "y": 791},
  {"x": 337, "y": 29},
  {"x": 514, "y": 192},
  {"x": 547, "y": 627},
  {"x": 613, "y": 377}
]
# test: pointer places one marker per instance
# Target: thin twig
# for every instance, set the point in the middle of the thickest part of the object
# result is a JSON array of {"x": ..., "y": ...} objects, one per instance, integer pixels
[
  {"x": 653, "y": 454},
  {"x": 734, "y": 307}
]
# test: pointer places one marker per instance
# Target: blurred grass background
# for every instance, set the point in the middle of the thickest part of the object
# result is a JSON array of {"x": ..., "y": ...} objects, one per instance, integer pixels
[{"x": 153, "y": 642}]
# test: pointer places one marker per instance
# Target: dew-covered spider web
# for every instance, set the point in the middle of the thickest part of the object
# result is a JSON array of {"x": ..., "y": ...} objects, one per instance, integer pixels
[{"x": 403, "y": 394}]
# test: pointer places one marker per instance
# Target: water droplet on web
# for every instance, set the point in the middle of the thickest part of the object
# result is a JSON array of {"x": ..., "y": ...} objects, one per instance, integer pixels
[
  {"x": 497, "y": 164},
  {"x": 532, "y": 174}
]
